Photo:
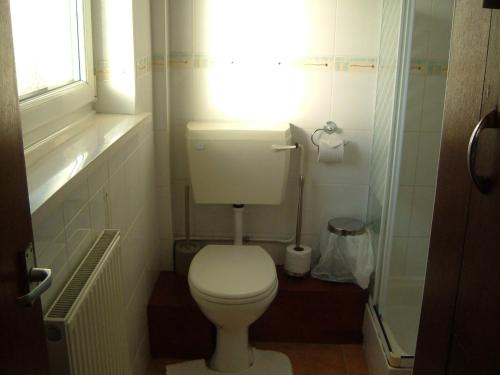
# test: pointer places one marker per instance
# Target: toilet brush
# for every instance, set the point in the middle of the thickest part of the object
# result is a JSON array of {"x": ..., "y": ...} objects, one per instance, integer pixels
[
  {"x": 298, "y": 228},
  {"x": 298, "y": 257},
  {"x": 185, "y": 249}
]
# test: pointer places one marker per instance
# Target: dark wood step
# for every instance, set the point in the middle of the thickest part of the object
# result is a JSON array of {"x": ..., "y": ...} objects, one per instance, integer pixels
[{"x": 304, "y": 310}]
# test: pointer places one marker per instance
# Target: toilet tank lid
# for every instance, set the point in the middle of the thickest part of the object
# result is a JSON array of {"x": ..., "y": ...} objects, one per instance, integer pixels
[{"x": 238, "y": 130}]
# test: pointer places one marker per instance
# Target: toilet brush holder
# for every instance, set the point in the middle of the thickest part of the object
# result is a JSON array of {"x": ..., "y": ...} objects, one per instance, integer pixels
[{"x": 297, "y": 256}]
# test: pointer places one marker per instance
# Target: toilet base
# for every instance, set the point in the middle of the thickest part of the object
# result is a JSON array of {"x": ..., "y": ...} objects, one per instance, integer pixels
[{"x": 265, "y": 362}]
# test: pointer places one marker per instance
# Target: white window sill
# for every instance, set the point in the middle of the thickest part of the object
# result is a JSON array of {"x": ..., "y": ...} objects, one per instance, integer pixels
[{"x": 52, "y": 163}]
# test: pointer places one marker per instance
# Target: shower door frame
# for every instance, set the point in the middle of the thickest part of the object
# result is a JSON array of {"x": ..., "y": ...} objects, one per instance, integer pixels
[{"x": 392, "y": 179}]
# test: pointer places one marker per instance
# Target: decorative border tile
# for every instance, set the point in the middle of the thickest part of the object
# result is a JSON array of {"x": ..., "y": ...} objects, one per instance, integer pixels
[
  {"x": 143, "y": 66},
  {"x": 340, "y": 63}
]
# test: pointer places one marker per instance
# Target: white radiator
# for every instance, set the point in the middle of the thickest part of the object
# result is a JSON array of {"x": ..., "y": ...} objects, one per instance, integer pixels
[{"x": 85, "y": 326}]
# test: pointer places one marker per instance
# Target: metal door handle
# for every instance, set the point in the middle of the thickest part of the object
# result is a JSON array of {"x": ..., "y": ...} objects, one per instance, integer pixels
[
  {"x": 482, "y": 183},
  {"x": 42, "y": 275}
]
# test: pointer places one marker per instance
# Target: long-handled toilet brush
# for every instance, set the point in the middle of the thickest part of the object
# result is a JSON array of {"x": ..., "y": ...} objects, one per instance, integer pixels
[
  {"x": 297, "y": 256},
  {"x": 185, "y": 249},
  {"x": 298, "y": 228}
]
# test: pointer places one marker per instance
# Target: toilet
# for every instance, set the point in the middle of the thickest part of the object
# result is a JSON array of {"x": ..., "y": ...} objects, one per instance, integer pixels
[
  {"x": 233, "y": 286},
  {"x": 237, "y": 164}
]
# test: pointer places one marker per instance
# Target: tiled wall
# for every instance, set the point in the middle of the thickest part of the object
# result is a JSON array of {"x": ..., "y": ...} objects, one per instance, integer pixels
[
  {"x": 115, "y": 191},
  {"x": 422, "y": 137},
  {"x": 300, "y": 61}
]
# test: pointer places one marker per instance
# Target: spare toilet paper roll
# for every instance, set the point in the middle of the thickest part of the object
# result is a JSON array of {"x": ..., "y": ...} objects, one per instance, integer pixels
[
  {"x": 298, "y": 262},
  {"x": 331, "y": 149}
]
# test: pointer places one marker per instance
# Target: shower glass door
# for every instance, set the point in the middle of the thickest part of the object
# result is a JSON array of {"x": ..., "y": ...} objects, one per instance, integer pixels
[{"x": 404, "y": 166}]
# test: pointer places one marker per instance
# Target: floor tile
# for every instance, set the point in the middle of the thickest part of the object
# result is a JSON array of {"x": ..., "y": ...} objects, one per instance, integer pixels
[{"x": 354, "y": 358}]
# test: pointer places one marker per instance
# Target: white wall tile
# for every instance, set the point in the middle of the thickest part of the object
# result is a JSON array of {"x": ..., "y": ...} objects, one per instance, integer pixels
[
  {"x": 76, "y": 194},
  {"x": 181, "y": 20},
  {"x": 78, "y": 236},
  {"x": 414, "y": 102},
  {"x": 144, "y": 93},
  {"x": 314, "y": 104},
  {"x": 398, "y": 256},
  {"x": 164, "y": 212},
  {"x": 48, "y": 223},
  {"x": 178, "y": 149},
  {"x": 134, "y": 177},
  {"x": 428, "y": 156},
  {"x": 210, "y": 220},
  {"x": 440, "y": 33},
  {"x": 118, "y": 201},
  {"x": 177, "y": 199},
  {"x": 324, "y": 202},
  {"x": 422, "y": 25},
  {"x": 409, "y": 158},
  {"x": 432, "y": 114},
  {"x": 422, "y": 210},
  {"x": 133, "y": 256},
  {"x": 159, "y": 25},
  {"x": 142, "y": 28},
  {"x": 165, "y": 254},
  {"x": 354, "y": 100},
  {"x": 403, "y": 210},
  {"x": 354, "y": 169},
  {"x": 416, "y": 259},
  {"x": 121, "y": 151},
  {"x": 358, "y": 27},
  {"x": 182, "y": 96},
  {"x": 162, "y": 157},
  {"x": 97, "y": 177},
  {"x": 136, "y": 320},
  {"x": 318, "y": 27},
  {"x": 98, "y": 212},
  {"x": 55, "y": 257}
]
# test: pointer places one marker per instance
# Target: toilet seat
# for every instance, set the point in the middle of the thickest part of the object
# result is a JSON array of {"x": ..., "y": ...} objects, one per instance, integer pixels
[
  {"x": 234, "y": 301},
  {"x": 229, "y": 274}
]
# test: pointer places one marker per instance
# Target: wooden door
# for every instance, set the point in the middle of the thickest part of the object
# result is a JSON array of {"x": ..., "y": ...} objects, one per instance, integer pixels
[
  {"x": 460, "y": 324},
  {"x": 22, "y": 343}
]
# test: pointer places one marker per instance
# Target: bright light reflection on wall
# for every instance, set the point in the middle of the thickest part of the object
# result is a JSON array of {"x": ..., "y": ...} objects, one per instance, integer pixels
[{"x": 255, "y": 46}]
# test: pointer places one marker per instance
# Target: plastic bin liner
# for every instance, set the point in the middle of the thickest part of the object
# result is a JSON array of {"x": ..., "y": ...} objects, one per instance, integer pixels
[{"x": 344, "y": 259}]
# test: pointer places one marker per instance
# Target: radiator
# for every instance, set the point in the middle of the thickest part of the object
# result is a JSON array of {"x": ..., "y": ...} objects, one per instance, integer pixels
[{"x": 85, "y": 327}]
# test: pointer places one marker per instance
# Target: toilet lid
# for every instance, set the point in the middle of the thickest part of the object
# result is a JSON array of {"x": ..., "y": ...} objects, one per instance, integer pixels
[{"x": 232, "y": 272}]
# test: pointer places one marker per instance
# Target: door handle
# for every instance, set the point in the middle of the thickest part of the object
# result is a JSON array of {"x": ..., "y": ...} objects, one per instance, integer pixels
[
  {"x": 42, "y": 275},
  {"x": 482, "y": 183}
]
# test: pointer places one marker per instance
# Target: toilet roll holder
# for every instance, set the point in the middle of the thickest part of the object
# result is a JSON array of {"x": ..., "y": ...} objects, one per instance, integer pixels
[{"x": 330, "y": 128}]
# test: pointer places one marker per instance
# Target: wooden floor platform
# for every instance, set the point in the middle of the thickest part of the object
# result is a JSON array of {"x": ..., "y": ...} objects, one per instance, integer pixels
[{"x": 304, "y": 310}]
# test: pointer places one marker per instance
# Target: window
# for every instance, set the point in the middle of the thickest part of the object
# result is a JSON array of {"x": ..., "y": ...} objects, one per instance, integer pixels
[{"x": 53, "y": 52}]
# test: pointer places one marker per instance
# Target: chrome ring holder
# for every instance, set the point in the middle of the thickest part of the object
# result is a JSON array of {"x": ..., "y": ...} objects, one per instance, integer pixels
[{"x": 330, "y": 128}]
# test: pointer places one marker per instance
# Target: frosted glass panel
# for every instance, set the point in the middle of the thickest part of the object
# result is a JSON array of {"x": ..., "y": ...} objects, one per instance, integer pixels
[
  {"x": 408, "y": 215},
  {"x": 46, "y": 44}
]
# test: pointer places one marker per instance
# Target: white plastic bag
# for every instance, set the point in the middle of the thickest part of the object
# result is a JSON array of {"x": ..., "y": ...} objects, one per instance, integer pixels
[{"x": 344, "y": 259}]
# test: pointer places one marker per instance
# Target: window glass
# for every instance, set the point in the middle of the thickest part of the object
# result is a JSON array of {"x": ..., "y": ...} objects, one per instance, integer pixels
[{"x": 48, "y": 44}]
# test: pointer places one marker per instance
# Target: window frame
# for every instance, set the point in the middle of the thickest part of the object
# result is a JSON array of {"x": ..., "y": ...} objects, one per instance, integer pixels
[{"x": 43, "y": 110}]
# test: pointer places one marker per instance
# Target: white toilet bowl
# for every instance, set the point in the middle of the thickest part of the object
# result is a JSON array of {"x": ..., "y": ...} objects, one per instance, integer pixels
[{"x": 233, "y": 286}]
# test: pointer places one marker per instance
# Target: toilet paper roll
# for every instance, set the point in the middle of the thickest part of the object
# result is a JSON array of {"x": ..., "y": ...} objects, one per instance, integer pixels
[
  {"x": 298, "y": 262},
  {"x": 331, "y": 149}
]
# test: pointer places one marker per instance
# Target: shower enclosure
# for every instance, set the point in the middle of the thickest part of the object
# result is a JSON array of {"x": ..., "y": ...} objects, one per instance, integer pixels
[{"x": 413, "y": 61}]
